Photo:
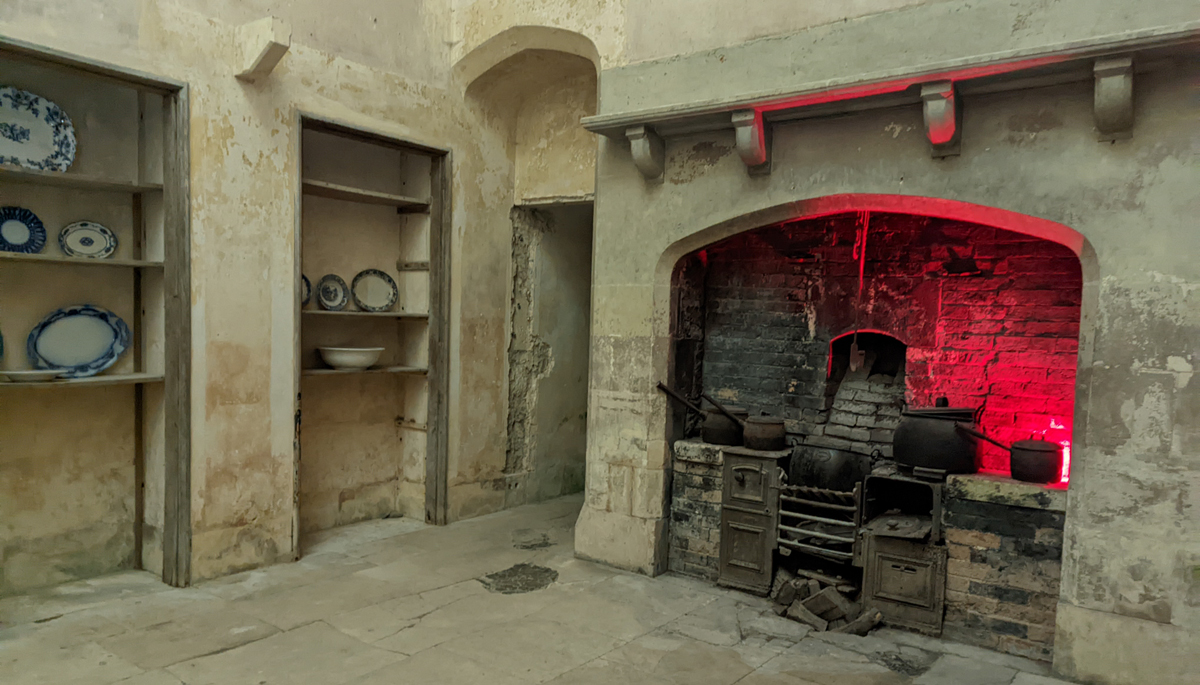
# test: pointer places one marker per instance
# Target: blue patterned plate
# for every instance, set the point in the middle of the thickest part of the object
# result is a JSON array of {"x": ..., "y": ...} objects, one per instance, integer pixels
[
  {"x": 21, "y": 231},
  {"x": 81, "y": 340},
  {"x": 374, "y": 291},
  {"x": 332, "y": 293},
  {"x": 87, "y": 239},
  {"x": 34, "y": 133},
  {"x": 305, "y": 290}
]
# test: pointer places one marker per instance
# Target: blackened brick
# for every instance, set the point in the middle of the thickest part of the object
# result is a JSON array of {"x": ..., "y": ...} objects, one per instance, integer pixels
[{"x": 1004, "y": 594}]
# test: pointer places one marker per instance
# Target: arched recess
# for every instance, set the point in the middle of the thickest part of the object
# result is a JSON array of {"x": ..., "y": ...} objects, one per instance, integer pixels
[
  {"x": 664, "y": 320},
  {"x": 517, "y": 39}
]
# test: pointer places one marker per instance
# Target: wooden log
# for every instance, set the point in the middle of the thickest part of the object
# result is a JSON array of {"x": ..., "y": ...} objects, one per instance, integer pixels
[
  {"x": 797, "y": 612},
  {"x": 829, "y": 604},
  {"x": 863, "y": 624}
]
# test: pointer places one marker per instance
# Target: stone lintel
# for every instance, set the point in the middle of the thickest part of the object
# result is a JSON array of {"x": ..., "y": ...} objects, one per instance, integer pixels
[{"x": 984, "y": 487}]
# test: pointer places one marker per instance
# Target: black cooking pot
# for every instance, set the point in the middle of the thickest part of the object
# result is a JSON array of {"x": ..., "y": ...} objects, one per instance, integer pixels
[
  {"x": 927, "y": 438},
  {"x": 828, "y": 468},
  {"x": 765, "y": 433},
  {"x": 719, "y": 429},
  {"x": 1033, "y": 461}
]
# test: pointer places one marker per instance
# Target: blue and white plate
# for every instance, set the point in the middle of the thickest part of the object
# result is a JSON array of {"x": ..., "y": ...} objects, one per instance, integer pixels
[
  {"x": 332, "y": 293},
  {"x": 374, "y": 291},
  {"x": 81, "y": 340},
  {"x": 21, "y": 231},
  {"x": 34, "y": 132},
  {"x": 305, "y": 290},
  {"x": 87, "y": 239}
]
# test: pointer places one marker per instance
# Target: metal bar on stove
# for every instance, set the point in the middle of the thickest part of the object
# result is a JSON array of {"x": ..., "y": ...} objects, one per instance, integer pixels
[
  {"x": 815, "y": 534},
  {"x": 818, "y": 519},
  {"x": 811, "y": 549},
  {"x": 820, "y": 505}
]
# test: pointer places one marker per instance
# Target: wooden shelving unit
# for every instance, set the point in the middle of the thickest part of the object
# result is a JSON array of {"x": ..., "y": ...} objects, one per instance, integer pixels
[
  {"x": 374, "y": 315},
  {"x": 371, "y": 202},
  {"x": 334, "y": 191},
  {"x": 79, "y": 261},
  {"x": 93, "y": 381},
  {"x": 129, "y": 426}
]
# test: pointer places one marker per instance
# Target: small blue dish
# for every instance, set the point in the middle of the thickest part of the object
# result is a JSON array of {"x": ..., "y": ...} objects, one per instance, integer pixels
[{"x": 21, "y": 231}]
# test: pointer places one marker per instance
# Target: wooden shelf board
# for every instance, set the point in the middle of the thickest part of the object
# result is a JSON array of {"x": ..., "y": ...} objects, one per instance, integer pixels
[
  {"x": 377, "y": 315},
  {"x": 338, "y": 192},
  {"x": 379, "y": 369},
  {"x": 115, "y": 379},
  {"x": 78, "y": 261},
  {"x": 15, "y": 174}
]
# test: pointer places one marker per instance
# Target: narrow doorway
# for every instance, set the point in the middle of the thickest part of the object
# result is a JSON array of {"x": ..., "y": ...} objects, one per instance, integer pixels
[{"x": 550, "y": 312}]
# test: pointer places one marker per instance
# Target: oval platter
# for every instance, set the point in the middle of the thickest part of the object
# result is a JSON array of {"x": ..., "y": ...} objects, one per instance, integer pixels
[
  {"x": 21, "y": 231},
  {"x": 87, "y": 239},
  {"x": 374, "y": 291},
  {"x": 332, "y": 293},
  {"x": 82, "y": 340},
  {"x": 34, "y": 132}
]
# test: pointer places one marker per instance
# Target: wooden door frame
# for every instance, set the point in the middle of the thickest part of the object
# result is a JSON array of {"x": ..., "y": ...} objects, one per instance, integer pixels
[
  {"x": 177, "y": 512},
  {"x": 440, "y": 232}
]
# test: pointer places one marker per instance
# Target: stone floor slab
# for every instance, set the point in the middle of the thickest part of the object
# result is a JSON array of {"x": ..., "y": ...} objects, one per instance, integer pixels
[
  {"x": 186, "y": 636},
  {"x": 437, "y": 665},
  {"x": 315, "y": 653},
  {"x": 956, "y": 670},
  {"x": 31, "y": 663},
  {"x": 534, "y": 649},
  {"x": 1031, "y": 679}
]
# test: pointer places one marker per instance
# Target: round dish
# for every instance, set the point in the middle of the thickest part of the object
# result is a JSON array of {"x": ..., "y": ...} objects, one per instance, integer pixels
[
  {"x": 21, "y": 231},
  {"x": 374, "y": 291},
  {"x": 34, "y": 132},
  {"x": 87, "y": 239},
  {"x": 305, "y": 290},
  {"x": 32, "y": 376},
  {"x": 78, "y": 341},
  {"x": 350, "y": 357},
  {"x": 332, "y": 293}
]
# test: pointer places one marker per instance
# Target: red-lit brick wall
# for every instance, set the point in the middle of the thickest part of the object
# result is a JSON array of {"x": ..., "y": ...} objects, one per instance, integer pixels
[{"x": 1004, "y": 339}]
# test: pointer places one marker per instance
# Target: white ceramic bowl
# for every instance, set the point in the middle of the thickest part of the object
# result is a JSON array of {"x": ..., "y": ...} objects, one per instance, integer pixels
[
  {"x": 31, "y": 376},
  {"x": 350, "y": 357}
]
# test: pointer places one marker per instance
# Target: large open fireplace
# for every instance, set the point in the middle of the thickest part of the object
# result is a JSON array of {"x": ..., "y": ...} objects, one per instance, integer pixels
[
  {"x": 843, "y": 325},
  {"x": 982, "y": 316}
]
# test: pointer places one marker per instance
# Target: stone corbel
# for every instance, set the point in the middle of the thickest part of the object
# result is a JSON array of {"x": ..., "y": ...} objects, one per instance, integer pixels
[
  {"x": 649, "y": 152},
  {"x": 1113, "y": 104},
  {"x": 942, "y": 118},
  {"x": 263, "y": 43},
  {"x": 752, "y": 141}
]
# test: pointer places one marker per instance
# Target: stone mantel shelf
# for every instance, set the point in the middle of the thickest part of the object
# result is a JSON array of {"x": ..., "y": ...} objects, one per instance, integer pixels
[
  {"x": 997, "y": 489},
  {"x": 1012, "y": 70}
]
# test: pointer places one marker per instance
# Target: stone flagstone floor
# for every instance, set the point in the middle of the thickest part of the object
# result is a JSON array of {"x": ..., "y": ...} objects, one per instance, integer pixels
[{"x": 399, "y": 602}]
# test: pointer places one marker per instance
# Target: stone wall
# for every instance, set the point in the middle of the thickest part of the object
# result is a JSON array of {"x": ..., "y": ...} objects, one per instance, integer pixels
[
  {"x": 990, "y": 318},
  {"x": 696, "y": 484},
  {"x": 1002, "y": 578}
]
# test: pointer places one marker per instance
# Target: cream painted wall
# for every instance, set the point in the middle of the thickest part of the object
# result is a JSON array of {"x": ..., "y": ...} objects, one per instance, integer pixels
[{"x": 243, "y": 178}]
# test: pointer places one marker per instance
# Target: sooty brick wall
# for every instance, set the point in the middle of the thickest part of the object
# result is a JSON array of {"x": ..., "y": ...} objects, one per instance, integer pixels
[
  {"x": 1002, "y": 577},
  {"x": 696, "y": 483},
  {"x": 989, "y": 317}
]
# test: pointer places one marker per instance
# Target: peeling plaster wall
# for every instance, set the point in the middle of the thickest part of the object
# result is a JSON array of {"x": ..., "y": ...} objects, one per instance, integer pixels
[
  {"x": 1132, "y": 546},
  {"x": 243, "y": 179}
]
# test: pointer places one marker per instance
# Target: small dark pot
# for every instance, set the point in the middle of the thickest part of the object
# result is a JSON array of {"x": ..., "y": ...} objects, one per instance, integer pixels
[
  {"x": 828, "y": 468},
  {"x": 765, "y": 433},
  {"x": 1036, "y": 461},
  {"x": 719, "y": 429}
]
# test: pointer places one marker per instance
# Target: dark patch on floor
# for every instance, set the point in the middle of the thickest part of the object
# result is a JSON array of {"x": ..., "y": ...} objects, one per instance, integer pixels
[
  {"x": 904, "y": 665},
  {"x": 530, "y": 539},
  {"x": 519, "y": 578}
]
